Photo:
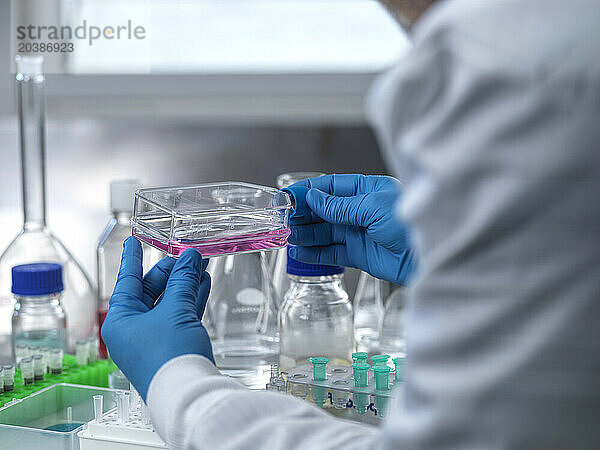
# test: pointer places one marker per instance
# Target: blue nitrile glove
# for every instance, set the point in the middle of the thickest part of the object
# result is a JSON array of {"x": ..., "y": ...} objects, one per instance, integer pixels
[
  {"x": 142, "y": 337},
  {"x": 352, "y": 223}
]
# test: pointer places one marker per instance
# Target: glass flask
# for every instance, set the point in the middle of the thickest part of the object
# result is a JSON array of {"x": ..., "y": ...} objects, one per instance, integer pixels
[
  {"x": 39, "y": 318},
  {"x": 108, "y": 257},
  {"x": 368, "y": 311},
  {"x": 281, "y": 281},
  {"x": 35, "y": 242},
  {"x": 240, "y": 317},
  {"x": 391, "y": 331},
  {"x": 316, "y": 317}
]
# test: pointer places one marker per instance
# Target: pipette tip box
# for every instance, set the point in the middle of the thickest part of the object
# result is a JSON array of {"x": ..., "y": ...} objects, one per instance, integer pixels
[{"x": 215, "y": 218}]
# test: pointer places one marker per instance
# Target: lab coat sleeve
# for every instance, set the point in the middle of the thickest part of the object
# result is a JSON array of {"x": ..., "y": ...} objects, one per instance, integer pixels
[
  {"x": 193, "y": 406},
  {"x": 493, "y": 126}
]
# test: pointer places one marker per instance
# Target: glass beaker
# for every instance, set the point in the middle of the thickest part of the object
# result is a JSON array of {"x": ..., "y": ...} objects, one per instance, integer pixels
[
  {"x": 281, "y": 281},
  {"x": 368, "y": 311},
  {"x": 391, "y": 331},
  {"x": 35, "y": 242},
  {"x": 240, "y": 317}
]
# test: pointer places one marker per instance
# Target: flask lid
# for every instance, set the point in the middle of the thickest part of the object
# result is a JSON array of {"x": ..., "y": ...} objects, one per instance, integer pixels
[
  {"x": 295, "y": 267},
  {"x": 37, "y": 279}
]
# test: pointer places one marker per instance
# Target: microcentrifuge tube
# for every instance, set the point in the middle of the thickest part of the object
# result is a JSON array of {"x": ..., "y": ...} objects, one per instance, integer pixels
[
  {"x": 361, "y": 379},
  {"x": 1, "y": 379},
  {"x": 361, "y": 401},
  {"x": 398, "y": 363},
  {"x": 318, "y": 394},
  {"x": 9, "y": 377},
  {"x": 382, "y": 377},
  {"x": 319, "y": 368},
  {"x": 27, "y": 370},
  {"x": 380, "y": 360},
  {"x": 359, "y": 357},
  {"x": 46, "y": 354},
  {"x": 82, "y": 352},
  {"x": 134, "y": 398},
  {"x": 69, "y": 414},
  {"x": 125, "y": 406},
  {"x": 361, "y": 374},
  {"x": 122, "y": 409},
  {"x": 145, "y": 413},
  {"x": 20, "y": 352},
  {"x": 56, "y": 357},
  {"x": 39, "y": 368},
  {"x": 98, "y": 400},
  {"x": 93, "y": 350},
  {"x": 381, "y": 405}
]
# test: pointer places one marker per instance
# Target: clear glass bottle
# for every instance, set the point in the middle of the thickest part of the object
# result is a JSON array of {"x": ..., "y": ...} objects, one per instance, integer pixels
[
  {"x": 391, "y": 331},
  {"x": 35, "y": 242},
  {"x": 240, "y": 317},
  {"x": 316, "y": 317},
  {"x": 39, "y": 318},
  {"x": 368, "y": 311},
  {"x": 108, "y": 256},
  {"x": 281, "y": 281}
]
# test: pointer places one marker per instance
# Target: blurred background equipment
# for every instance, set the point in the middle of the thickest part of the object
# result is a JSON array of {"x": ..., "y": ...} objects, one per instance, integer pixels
[
  {"x": 35, "y": 242},
  {"x": 391, "y": 329},
  {"x": 368, "y": 311}
]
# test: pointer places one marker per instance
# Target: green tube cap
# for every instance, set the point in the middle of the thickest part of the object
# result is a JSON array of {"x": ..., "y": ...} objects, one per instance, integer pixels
[
  {"x": 382, "y": 377},
  {"x": 359, "y": 357},
  {"x": 380, "y": 360},
  {"x": 319, "y": 368},
  {"x": 361, "y": 374},
  {"x": 398, "y": 363}
]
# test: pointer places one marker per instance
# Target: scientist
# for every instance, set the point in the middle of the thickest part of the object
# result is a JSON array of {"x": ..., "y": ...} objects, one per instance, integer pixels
[{"x": 492, "y": 122}]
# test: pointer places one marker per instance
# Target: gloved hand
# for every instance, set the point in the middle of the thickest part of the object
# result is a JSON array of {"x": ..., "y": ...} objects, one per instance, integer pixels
[
  {"x": 142, "y": 336},
  {"x": 352, "y": 223}
]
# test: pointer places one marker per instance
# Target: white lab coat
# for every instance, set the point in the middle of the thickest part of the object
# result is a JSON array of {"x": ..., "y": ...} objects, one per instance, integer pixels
[{"x": 492, "y": 121}]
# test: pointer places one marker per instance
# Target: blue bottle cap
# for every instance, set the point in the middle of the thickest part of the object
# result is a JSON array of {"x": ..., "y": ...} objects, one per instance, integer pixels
[
  {"x": 295, "y": 267},
  {"x": 37, "y": 279}
]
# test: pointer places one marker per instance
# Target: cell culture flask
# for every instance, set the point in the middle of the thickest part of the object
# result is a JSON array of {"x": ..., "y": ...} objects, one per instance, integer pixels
[
  {"x": 240, "y": 317},
  {"x": 391, "y": 331},
  {"x": 368, "y": 311},
  {"x": 35, "y": 242},
  {"x": 214, "y": 218},
  {"x": 281, "y": 281}
]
